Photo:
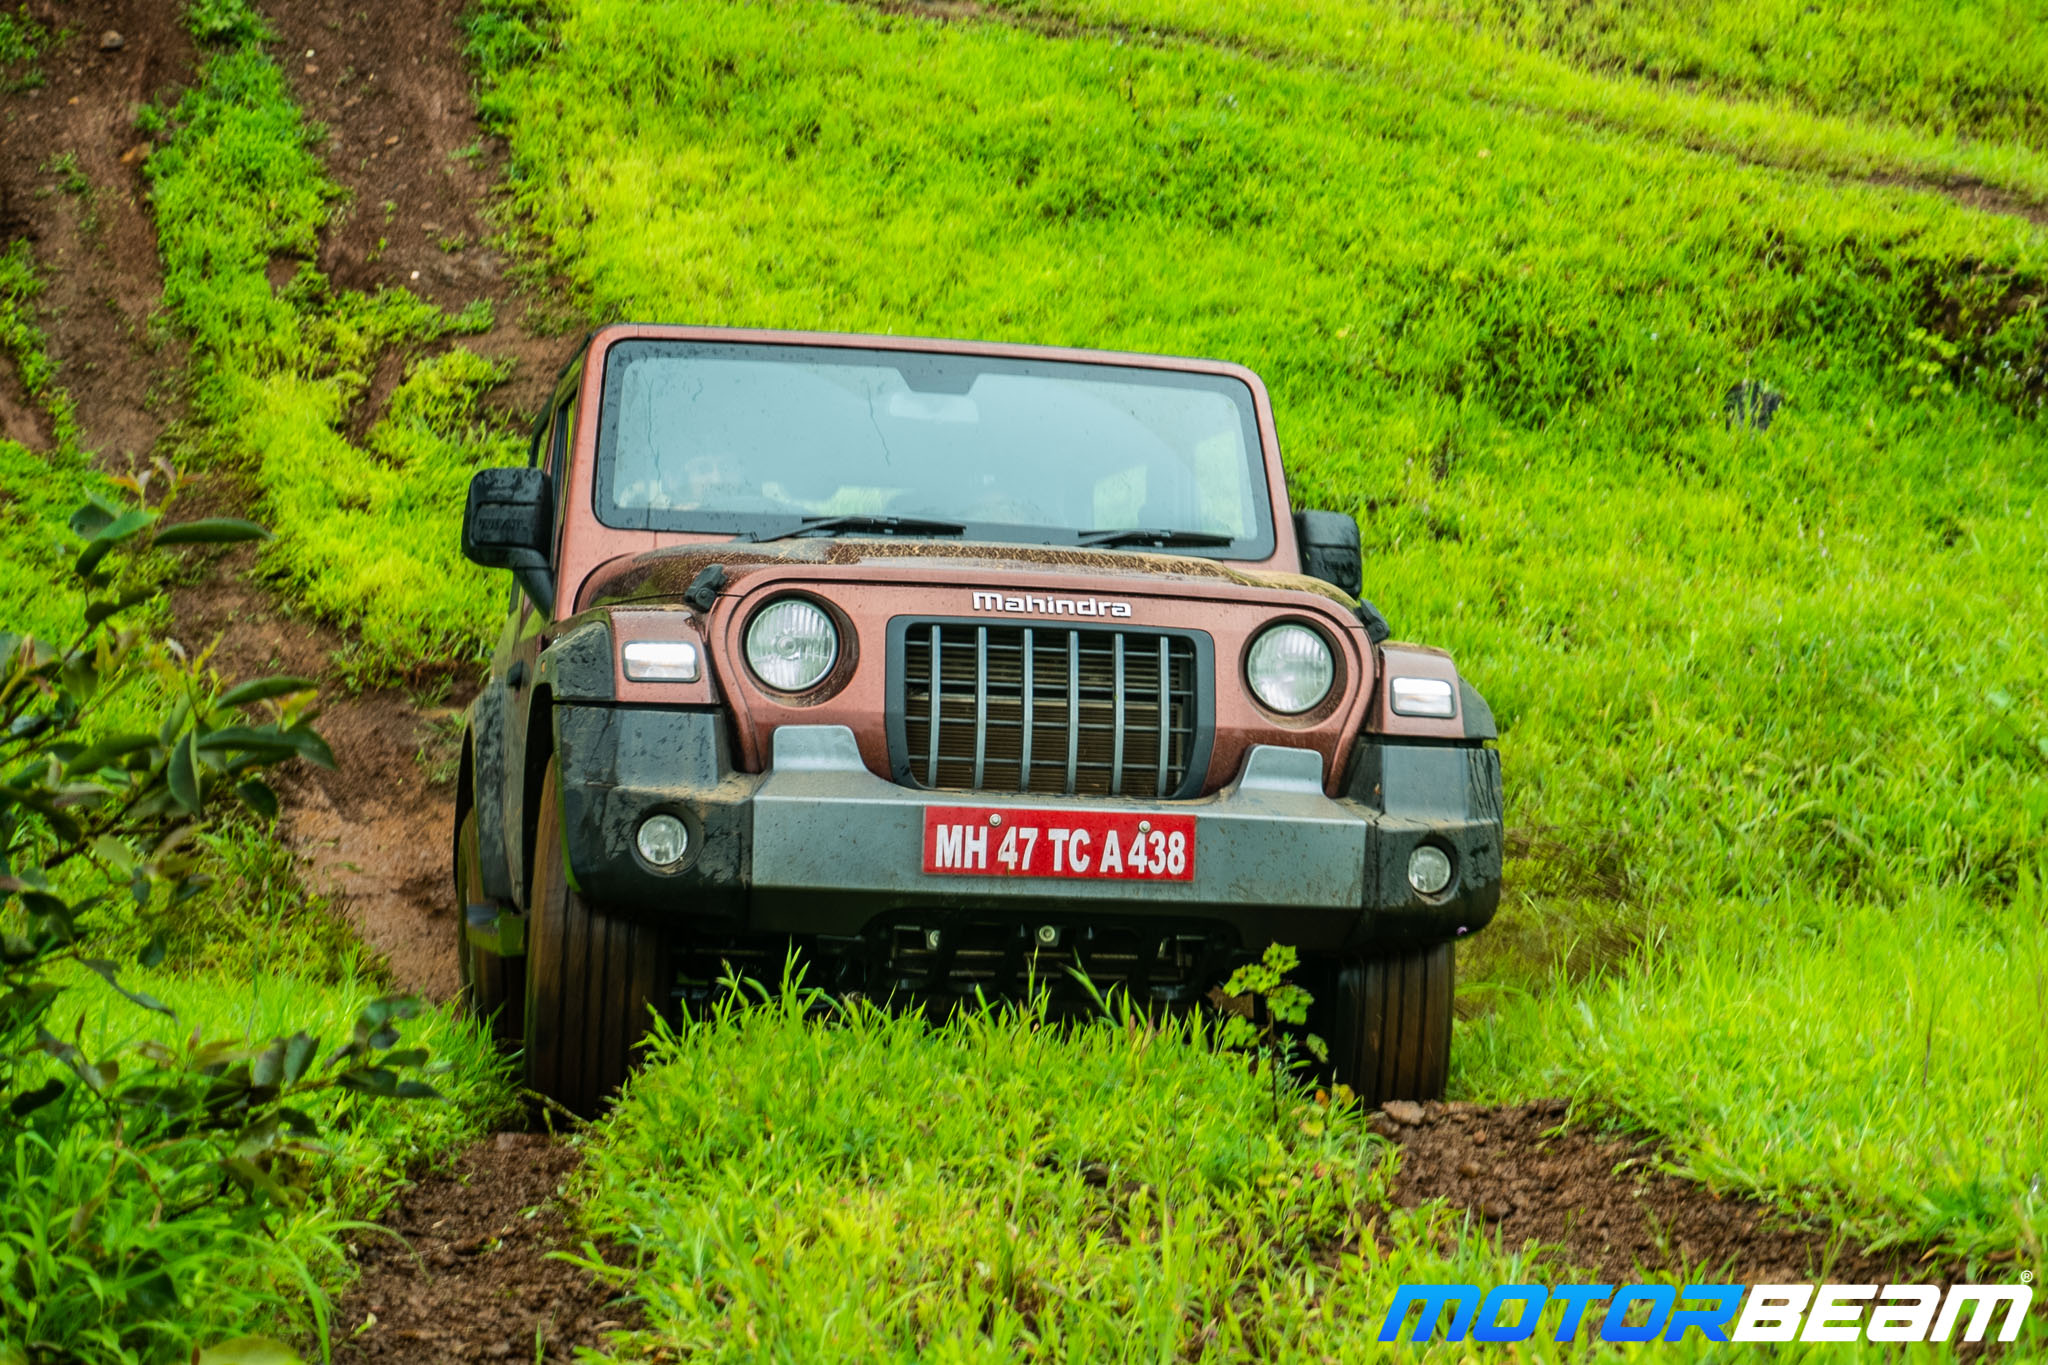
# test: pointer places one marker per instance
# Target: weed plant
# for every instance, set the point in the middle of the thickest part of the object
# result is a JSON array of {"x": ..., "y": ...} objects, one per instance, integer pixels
[{"x": 1754, "y": 683}]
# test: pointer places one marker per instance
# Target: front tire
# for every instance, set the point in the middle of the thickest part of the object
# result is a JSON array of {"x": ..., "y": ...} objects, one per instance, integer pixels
[
  {"x": 1388, "y": 1023},
  {"x": 592, "y": 980}
]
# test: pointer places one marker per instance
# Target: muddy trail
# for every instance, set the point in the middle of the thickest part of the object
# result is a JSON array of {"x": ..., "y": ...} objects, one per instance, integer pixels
[{"x": 463, "y": 1270}]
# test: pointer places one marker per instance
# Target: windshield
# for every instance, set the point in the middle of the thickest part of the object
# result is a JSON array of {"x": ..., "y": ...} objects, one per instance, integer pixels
[{"x": 752, "y": 439}]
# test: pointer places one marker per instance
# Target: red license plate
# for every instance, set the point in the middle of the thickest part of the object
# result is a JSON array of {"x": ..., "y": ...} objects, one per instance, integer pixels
[{"x": 976, "y": 841}]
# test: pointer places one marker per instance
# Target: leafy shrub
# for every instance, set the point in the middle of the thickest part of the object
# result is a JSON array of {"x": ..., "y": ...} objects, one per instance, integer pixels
[{"x": 151, "y": 1163}]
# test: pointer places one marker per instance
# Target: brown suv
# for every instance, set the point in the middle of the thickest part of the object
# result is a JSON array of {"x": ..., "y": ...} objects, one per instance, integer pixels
[{"x": 951, "y": 666}]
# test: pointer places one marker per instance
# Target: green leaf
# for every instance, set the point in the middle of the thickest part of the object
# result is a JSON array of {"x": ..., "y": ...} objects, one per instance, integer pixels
[
  {"x": 211, "y": 531},
  {"x": 91, "y": 518},
  {"x": 299, "y": 1051},
  {"x": 257, "y": 1138},
  {"x": 310, "y": 746},
  {"x": 96, "y": 756},
  {"x": 96, "y": 612},
  {"x": 115, "y": 853},
  {"x": 262, "y": 689},
  {"x": 184, "y": 774},
  {"x": 416, "y": 1090},
  {"x": 268, "y": 1068},
  {"x": 258, "y": 796},
  {"x": 81, "y": 679},
  {"x": 152, "y": 954},
  {"x": 374, "y": 1080},
  {"x": 109, "y": 536},
  {"x": 106, "y": 972},
  {"x": 297, "y": 1121},
  {"x": 267, "y": 740},
  {"x": 30, "y": 1101}
]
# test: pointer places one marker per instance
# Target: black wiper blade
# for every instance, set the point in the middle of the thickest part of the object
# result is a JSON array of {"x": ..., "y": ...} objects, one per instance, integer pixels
[
  {"x": 892, "y": 526},
  {"x": 1151, "y": 535}
]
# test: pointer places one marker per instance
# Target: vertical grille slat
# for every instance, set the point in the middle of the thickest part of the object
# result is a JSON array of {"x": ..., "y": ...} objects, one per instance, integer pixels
[
  {"x": 931, "y": 772},
  {"x": 1116, "y": 763},
  {"x": 1027, "y": 706},
  {"x": 1101, "y": 712},
  {"x": 1165, "y": 713},
  {"x": 980, "y": 704},
  {"x": 1073, "y": 708}
]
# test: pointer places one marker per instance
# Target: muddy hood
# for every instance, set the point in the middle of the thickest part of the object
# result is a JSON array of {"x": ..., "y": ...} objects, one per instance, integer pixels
[{"x": 663, "y": 575}]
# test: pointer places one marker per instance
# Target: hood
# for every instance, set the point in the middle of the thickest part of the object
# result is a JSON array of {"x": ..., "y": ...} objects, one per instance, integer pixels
[{"x": 661, "y": 575}]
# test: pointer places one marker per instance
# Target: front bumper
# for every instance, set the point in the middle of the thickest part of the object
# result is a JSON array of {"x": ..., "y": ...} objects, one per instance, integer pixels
[{"x": 819, "y": 845}]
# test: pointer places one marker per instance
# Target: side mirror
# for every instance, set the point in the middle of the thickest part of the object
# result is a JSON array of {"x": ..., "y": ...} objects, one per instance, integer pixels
[
  {"x": 1329, "y": 549},
  {"x": 509, "y": 523},
  {"x": 510, "y": 519}
]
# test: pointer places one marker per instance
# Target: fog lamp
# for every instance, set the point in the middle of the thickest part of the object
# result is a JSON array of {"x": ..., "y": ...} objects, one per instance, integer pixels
[
  {"x": 1429, "y": 869},
  {"x": 663, "y": 840}
]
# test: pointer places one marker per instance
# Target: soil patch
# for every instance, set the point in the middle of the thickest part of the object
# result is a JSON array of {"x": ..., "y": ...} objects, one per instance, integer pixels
[
  {"x": 1601, "y": 1203},
  {"x": 392, "y": 87},
  {"x": 71, "y": 183},
  {"x": 473, "y": 1279},
  {"x": 373, "y": 833}
]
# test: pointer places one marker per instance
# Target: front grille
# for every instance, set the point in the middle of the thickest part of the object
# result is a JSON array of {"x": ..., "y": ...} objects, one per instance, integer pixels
[{"x": 1048, "y": 709}]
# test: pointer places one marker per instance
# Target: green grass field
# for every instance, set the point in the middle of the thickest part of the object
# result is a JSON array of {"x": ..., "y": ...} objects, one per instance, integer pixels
[
  {"x": 1775, "y": 725},
  {"x": 1772, "y": 710}
]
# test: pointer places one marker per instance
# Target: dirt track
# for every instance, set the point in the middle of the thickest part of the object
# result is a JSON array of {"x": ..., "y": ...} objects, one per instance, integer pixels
[{"x": 375, "y": 833}]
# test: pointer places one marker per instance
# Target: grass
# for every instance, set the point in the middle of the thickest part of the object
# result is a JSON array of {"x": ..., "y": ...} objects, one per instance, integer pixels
[
  {"x": 884, "y": 1189},
  {"x": 1667, "y": 71},
  {"x": 279, "y": 373},
  {"x": 1755, "y": 686},
  {"x": 22, "y": 42},
  {"x": 1977, "y": 70},
  {"x": 869, "y": 1187},
  {"x": 93, "y": 1264},
  {"x": 1895, "y": 1108},
  {"x": 22, "y": 340}
]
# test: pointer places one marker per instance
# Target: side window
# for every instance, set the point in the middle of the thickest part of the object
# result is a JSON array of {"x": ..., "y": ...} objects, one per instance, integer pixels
[{"x": 560, "y": 432}]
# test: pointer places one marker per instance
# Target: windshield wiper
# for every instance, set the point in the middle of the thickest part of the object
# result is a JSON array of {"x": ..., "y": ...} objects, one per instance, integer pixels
[
  {"x": 1151, "y": 535},
  {"x": 892, "y": 526}
]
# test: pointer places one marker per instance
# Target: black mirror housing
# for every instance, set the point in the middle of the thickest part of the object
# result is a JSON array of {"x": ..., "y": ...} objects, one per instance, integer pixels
[
  {"x": 510, "y": 520},
  {"x": 1329, "y": 549}
]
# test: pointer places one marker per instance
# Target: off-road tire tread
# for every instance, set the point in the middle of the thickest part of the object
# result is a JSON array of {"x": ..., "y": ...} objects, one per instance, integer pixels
[
  {"x": 591, "y": 978},
  {"x": 1391, "y": 1024}
]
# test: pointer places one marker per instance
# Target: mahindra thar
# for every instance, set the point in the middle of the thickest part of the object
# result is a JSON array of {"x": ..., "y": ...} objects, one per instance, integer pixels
[{"x": 954, "y": 668}]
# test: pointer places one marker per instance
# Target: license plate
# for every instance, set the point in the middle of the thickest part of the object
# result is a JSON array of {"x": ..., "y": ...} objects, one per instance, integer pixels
[{"x": 975, "y": 841}]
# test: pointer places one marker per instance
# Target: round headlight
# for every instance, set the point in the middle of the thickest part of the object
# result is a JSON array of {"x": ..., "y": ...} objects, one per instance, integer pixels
[
  {"x": 1290, "y": 669},
  {"x": 791, "y": 644}
]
